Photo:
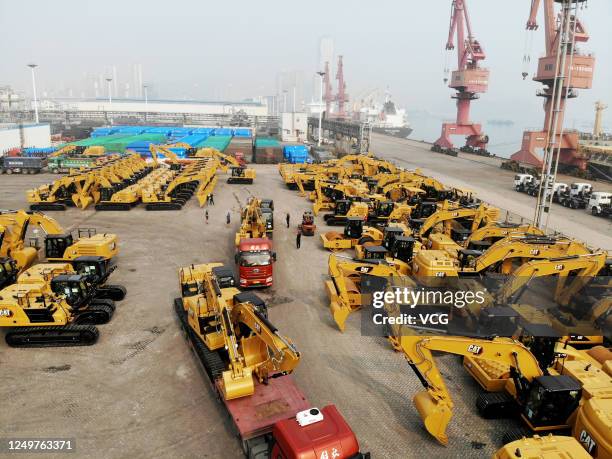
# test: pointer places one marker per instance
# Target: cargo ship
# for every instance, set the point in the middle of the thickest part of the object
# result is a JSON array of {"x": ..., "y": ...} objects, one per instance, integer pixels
[{"x": 387, "y": 119}]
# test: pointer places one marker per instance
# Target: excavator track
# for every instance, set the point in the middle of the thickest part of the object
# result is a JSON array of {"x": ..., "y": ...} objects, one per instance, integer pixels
[
  {"x": 236, "y": 180},
  {"x": 95, "y": 314},
  {"x": 164, "y": 206},
  {"x": 114, "y": 206},
  {"x": 54, "y": 336},
  {"x": 47, "y": 206},
  {"x": 212, "y": 361},
  {"x": 111, "y": 292}
]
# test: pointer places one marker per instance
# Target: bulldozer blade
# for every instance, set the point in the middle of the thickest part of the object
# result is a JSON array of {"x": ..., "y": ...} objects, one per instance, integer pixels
[
  {"x": 435, "y": 414},
  {"x": 238, "y": 386}
]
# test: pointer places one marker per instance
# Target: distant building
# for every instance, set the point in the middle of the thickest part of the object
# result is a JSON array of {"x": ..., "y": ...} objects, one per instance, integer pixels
[
  {"x": 254, "y": 108},
  {"x": 11, "y": 100}
]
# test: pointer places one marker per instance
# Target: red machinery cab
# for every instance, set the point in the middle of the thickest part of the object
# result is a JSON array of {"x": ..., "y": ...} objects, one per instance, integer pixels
[
  {"x": 254, "y": 259},
  {"x": 315, "y": 434}
]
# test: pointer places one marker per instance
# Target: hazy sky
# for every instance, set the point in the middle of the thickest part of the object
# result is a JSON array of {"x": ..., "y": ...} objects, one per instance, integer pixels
[{"x": 199, "y": 48}]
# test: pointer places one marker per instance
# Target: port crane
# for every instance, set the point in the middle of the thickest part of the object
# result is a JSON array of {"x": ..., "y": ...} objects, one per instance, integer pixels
[
  {"x": 469, "y": 80},
  {"x": 562, "y": 70},
  {"x": 341, "y": 97}
]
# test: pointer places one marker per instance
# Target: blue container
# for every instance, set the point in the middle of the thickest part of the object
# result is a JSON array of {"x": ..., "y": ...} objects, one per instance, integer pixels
[
  {"x": 243, "y": 132},
  {"x": 223, "y": 131}
]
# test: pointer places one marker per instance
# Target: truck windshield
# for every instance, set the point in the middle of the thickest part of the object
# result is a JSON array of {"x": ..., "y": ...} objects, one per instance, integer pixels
[{"x": 261, "y": 258}]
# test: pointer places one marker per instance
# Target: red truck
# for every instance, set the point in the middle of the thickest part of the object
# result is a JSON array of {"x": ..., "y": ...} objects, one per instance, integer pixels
[
  {"x": 277, "y": 421},
  {"x": 254, "y": 259}
]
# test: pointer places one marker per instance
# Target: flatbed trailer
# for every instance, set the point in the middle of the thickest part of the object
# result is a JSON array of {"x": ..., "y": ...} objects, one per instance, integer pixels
[{"x": 277, "y": 421}]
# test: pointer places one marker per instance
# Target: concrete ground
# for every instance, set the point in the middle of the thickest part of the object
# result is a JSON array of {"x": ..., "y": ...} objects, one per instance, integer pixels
[
  {"x": 495, "y": 186},
  {"x": 138, "y": 392}
]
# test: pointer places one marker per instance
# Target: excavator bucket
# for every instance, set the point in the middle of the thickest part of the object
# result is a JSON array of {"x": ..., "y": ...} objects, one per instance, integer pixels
[
  {"x": 435, "y": 415},
  {"x": 339, "y": 311},
  {"x": 236, "y": 386}
]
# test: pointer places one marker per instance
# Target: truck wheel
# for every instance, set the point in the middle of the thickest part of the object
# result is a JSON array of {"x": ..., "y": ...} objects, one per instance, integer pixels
[
  {"x": 54, "y": 171},
  {"x": 9, "y": 171},
  {"x": 594, "y": 211}
]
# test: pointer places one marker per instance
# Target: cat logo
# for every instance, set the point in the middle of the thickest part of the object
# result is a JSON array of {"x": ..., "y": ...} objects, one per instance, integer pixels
[
  {"x": 475, "y": 349},
  {"x": 365, "y": 269},
  {"x": 534, "y": 251},
  {"x": 455, "y": 214},
  {"x": 559, "y": 267},
  {"x": 6, "y": 313},
  {"x": 588, "y": 443}
]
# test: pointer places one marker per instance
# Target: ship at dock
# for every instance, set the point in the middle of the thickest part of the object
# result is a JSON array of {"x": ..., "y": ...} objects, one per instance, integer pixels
[{"x": 386, "y": 118}]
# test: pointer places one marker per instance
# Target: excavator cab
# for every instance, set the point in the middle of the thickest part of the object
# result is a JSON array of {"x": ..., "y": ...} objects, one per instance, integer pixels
[
  {"x": 460, "y": 234},
  {"x": 97, "y": 268},
  {"x": 424, "y": 209},
  {"x": 383, "y": 208},
  {"x": 268, "y": 216},
  {"x": 8, "y": 272},
  {"x": 225, "y": 276},
  {"x": 75, "y": 288},
  {"x": 390, "y": 233},
  {"x": 403, "y": 248},
  {"x": 353, "y": 228},
  {"x": 56, "y": 245},
  {"x": 467, "y": 257},
  {"x": 342, "y": 207},
  {"x": 374, "y": 252},
  {"x": 551, "y": 400},
  {"x": 267, "y": 204},
  {"x": 541, "y": 340}
]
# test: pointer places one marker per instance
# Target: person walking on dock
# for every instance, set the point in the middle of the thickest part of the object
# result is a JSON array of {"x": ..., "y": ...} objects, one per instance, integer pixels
[
  {"x": 288, "y": 219},
  {"x": 298, "y": 239},
  {"x": 228, "y": 218},
  {"x": 206, "y": 216}
]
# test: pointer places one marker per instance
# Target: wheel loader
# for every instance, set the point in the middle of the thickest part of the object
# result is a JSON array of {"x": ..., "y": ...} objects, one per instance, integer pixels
[
  {"x": 353, "y": 233},
  {"x": 34, "y": 318}
]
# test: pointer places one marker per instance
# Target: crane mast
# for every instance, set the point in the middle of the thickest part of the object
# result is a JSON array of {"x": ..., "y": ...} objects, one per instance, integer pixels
[
  {"x": 469, "y": 80},
  {"x": 341, "y": 97},
  {"x": 561, "y": 70}
]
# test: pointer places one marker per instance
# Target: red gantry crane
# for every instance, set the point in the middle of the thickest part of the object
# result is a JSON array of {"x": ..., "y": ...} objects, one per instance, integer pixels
[
  {"x": 562, "y": 70},
  {"x": 469, "y": 80}
]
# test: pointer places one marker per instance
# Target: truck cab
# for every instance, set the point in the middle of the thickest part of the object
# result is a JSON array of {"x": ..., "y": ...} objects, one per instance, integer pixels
[
  {"x": 254, "y": 259},
  {"x": 521, "y": 181},
  {"x": 315, "y": 433},
  {"x": 599, "y": 203}
]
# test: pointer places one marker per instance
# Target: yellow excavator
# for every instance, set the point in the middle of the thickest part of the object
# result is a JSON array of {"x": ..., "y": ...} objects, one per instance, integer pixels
[
  {"x": 232, "y": 336},
  {"x": 354, "y": 234},
  {"x": 35, "y": 318},
  {"x": 344, "y": 288},
  {"x": 545, "y": 400},
  {"x": 253, "y": 224},
  {"x": 58, "y": 245},
  {"x": 238, "y": 172},
  {"x": 455, "y": 220}
]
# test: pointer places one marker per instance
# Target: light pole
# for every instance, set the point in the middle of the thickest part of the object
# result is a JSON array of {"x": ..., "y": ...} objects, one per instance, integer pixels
[
  {"x": 284, "y": 101},
  {"x": 321, "y": 75},
  {"x": 32, "y": 67},
  {"x": 146, "y": 94},
  {"x": 110, "y": 98}
]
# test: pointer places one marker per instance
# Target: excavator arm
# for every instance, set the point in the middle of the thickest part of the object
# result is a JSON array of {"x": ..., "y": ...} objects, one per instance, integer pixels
[
  {"x": 435, "y": 404},
  {"x": 583, "y": 266},
  {"x": 265, "y": 349}
]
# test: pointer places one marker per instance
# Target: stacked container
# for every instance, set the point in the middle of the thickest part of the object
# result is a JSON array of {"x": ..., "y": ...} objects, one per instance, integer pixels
[
  {"x": 296, "y": 154},
  {"x": 267, "y": 151}
]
